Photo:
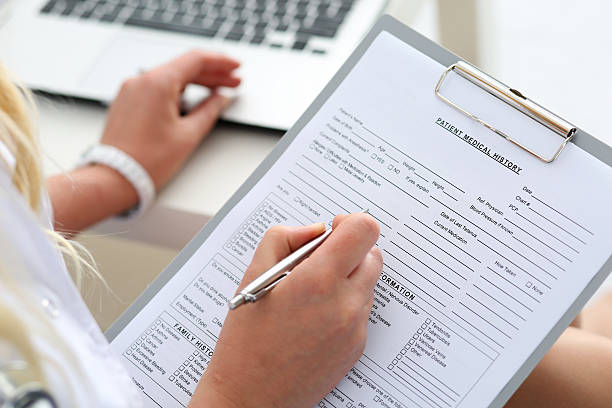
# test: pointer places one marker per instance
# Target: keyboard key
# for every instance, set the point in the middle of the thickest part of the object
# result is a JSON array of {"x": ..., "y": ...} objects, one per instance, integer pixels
[
  {"x": 68, "y": 8},
  {"x": 257, "y": 39},
  {"x": 320, "y": 31},
  {"x": 206, "y": 32},
  {"x": 48, "y": 7},
  {"x": 300, "y": 44},
  {"x": 233, "y": 36},
  {"x": 112, "y": 14}
]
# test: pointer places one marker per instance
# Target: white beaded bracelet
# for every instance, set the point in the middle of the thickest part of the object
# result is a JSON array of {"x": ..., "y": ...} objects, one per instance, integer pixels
[{"x": 126, "y": 166}]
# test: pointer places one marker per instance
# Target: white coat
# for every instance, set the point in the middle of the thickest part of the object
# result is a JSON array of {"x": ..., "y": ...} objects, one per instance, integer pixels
[{"x": 47, "y": 296}]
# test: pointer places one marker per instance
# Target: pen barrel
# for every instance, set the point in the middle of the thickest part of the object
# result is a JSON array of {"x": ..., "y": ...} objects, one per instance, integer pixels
[{"x": 272, "y": 276}]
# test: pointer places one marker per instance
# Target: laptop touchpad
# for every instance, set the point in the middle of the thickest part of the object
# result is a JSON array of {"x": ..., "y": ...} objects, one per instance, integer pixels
[{"x": 125, "y": 56}]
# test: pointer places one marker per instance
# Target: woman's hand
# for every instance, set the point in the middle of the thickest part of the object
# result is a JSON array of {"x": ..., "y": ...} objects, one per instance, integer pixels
[
  {"x": 145, "y": 121},
  {"x": 291, "y": 348}
]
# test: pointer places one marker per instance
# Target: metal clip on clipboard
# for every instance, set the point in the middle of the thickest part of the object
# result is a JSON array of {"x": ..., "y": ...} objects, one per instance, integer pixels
[{"x": 514, "y": 98}]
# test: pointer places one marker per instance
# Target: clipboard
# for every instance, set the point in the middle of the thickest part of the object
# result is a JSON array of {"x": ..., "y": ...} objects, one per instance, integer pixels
[{"x": 568, "y": 132}]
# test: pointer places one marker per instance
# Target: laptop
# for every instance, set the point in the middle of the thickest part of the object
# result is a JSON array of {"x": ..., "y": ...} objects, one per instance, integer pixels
[{"x": 289, "y": 49}]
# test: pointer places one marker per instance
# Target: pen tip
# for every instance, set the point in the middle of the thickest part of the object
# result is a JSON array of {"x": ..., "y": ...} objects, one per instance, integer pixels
[
  {"x": 236, "y": 301},
  {"x": 366, "y": 211}
]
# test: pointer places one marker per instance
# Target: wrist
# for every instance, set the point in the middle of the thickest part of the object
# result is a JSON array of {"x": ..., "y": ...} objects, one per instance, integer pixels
[
  {"x": 127, "y": 167},
  {"x": 88, "y": 195},
  {"x": 111, "y": 186}
]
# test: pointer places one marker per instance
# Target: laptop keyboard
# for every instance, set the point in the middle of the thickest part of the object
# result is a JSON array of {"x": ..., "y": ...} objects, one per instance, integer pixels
[{"x": 274, "y": 23}]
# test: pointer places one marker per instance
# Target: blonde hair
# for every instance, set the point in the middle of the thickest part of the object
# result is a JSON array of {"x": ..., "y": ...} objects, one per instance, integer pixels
[{"x": 19, "y": 135}]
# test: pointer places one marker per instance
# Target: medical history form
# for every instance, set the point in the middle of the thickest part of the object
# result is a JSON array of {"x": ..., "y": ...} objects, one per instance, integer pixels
[{"x": 488, "y": 252}]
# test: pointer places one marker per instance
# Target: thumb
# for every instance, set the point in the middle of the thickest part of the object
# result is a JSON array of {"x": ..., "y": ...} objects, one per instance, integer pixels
[{"x": 204, "y": 116}]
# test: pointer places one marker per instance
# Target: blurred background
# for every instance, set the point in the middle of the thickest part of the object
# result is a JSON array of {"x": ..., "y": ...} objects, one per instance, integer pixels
[{"x": 555, "y": 52}]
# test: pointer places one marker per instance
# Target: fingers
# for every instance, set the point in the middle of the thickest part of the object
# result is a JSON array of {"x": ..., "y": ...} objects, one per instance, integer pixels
[
  {"x": 341, "y": 217},
  {"x": 278, "y": 243},
  {"x": 215, "y": 80},
  {"x": 338, "y": 220},
  {"x": 203, "y": 117},
  {"x": 196, "y": 66},
  {"x": 347, "y": 245}
]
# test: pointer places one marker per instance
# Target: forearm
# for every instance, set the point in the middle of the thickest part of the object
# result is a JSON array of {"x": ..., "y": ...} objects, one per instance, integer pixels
[
  {"x": 576, "y": 372},
  {"x": 88, "y": 195}
]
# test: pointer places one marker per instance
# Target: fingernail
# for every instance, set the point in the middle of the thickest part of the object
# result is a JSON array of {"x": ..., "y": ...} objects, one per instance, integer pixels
[{"x": 319, "y": 226}]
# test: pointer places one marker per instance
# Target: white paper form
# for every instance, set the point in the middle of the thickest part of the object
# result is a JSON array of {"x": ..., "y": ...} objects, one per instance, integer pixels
[{"x": 484, "y": 246}]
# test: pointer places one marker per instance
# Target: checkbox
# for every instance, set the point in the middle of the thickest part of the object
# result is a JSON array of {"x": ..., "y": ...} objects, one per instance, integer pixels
[
  {"x": 321, "y": 405},
  {"x": 403, "y": 351},
  {"x": 176, "y": 372},
  {"x": 394, "y": 362},
  {"x": 399, "y": 357},
  {"x": 181, "y": 368},
  {"x": 416, "y": 336},
  {"x": 528, "y": 284},
  {"x": 420, "y": 331},
  {"x": 411, "y": 341},
  {"x": 128, "y": 352},
  {"x": 186, "y": 363},
  {"x": 390, "y": 366},
  {"x": 377, "y": 399},
  {"x": 171, "y": 378},
  {"x": 427, "y": 321},
  {"x": 138, "y": 341},
  {"x": 190, "y": 358},
  {"x": 142, "y": 337},
  {"x": 158, "y": 322},
  {"x": 133, "y": 347},
  {"x": 195, "y": 353},
  {"x": 423, "y": 326},
  {"x": 349, "y": 405},
  {"x": 215, "y": 320},
  {"x": 149, "y": 331}
]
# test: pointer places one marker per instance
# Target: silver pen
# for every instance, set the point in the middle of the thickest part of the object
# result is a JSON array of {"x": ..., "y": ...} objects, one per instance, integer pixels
[{"x": 266, "y": 281}]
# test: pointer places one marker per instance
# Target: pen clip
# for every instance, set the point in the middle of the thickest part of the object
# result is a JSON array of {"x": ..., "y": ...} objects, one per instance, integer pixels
[{"x": 252, "y": 297}]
